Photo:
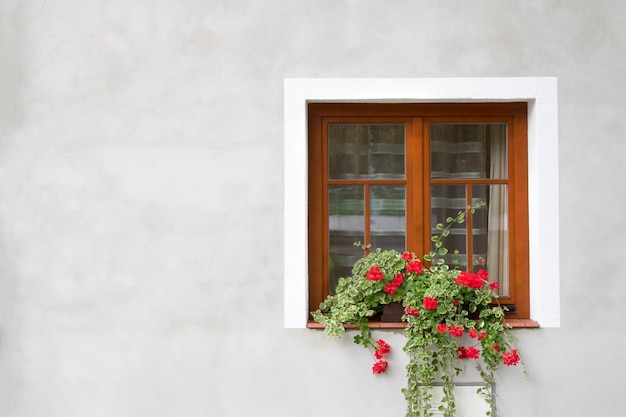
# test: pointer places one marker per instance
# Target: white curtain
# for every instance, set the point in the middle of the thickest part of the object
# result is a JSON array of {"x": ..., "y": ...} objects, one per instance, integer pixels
[{"x": 498, "y": 229}]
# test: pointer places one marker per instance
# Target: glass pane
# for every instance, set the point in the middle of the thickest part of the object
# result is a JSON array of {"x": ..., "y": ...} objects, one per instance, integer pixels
[
  {"x": 365, "y": 151},
  {"x": 447, "y": 201},
  {"x": 346, "y": 224},
  {"x": 490, "y": 236},
  {"x": 472, "y": 150},
  {"x": 387, "y": 217}
]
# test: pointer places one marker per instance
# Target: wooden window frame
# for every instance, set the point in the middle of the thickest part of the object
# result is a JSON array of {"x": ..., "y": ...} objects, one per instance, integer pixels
[{"x": 418, "y": 116}]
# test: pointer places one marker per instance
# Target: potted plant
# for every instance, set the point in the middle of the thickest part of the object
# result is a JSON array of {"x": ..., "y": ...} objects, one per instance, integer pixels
[{"x": 441, "y": 305}]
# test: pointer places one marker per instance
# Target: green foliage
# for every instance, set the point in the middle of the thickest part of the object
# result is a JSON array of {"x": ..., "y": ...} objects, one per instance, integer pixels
[{"x": 441, "y": 304}]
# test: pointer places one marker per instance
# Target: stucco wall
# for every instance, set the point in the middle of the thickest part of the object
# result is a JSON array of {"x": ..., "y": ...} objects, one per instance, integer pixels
[{"x": 141, "y": 188}]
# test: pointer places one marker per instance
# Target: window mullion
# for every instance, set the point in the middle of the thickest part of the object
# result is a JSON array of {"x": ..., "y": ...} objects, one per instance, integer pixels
[{"x": 470, "y": 229}]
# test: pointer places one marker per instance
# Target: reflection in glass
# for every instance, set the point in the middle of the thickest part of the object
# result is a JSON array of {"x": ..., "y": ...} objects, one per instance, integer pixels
[
  {"x": 366, "y": 151},
  {"x": 346, "y": 224},
  {"x": 489, "y": 247},
  {"x": 388, "y": 217},
  {"x": 468, "y": 150},
  {"x": 446, "y": 201}
]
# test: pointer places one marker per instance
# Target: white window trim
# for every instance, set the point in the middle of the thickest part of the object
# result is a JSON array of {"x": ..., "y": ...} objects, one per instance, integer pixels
[{"x": 543, "y": 172}]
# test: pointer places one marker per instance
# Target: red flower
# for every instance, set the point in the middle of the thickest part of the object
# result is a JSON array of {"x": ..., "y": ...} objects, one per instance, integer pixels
[
  {"x": 412, "y": 311},
  {"x": 382, "y": 350},
  {"x": 510, "y": 358},
  {"x": 470, "y": 280},
  {"x": 406, "y": 256},
  {"x": 379, "y": 367},
  {"x": 472, "y": 352},
  {"x": 442, "y": 328},
  {"x": 496, "y": 347},
  {"x": 456, "y": 331},
  {"x": 482, "y": 335},
  {"x": 378, "y": 354},
  {"x": 469, "y": 352},
  {"x": 391, "y": 288},
  {"x": 415, "y": 266},
  {"x": 382, "y": 347},
  {"x": 482, "y": 274},
  {"x": 493, "y": 286},
  {"x": 374, "y": 274},
  {"x": 430, "y": 303},
  {"x": 473, "y": 333}
]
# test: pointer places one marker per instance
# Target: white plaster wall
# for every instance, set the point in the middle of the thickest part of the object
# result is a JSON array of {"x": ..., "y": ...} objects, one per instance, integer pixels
[{"x": 141, "y": 186}]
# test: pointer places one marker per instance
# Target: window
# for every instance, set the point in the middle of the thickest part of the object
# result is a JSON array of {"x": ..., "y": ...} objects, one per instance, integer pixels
[
  {"x": 386, "y": 174},
  {"x": 541, "y": 96}
]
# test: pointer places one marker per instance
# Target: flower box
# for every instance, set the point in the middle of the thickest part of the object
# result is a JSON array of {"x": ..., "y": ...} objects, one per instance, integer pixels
[{"x": 392, "y": 313}]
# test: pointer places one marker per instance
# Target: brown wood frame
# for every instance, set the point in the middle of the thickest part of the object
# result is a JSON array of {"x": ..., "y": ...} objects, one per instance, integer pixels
[{"x": 417, "y": 118}]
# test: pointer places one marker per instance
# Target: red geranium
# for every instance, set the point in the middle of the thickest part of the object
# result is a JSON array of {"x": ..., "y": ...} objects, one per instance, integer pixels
[
  {"x": 380, "y": 367},
  {"x": 468, "y": 353},
  {"x": 391, "y": 288},
  {"x": 415, "y": 266},
  {"x": 510, "y": 358},
  {"x": 472, "y": 352},
  {"x": 374, "y": 274},
  {"x": 412, "y": 311},
  {"x": 430, "y": 303},
  {"x": 456, "y": 331},
  {"x": 382, "y": 348},
  {"x": 469, "y": 280}
]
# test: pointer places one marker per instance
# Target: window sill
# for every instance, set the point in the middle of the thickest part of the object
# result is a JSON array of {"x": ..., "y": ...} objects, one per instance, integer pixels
[{"x": 514, "y": 323}]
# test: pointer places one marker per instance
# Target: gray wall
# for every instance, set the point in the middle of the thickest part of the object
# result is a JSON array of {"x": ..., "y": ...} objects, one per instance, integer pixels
[{"x": 141, "y": 220}]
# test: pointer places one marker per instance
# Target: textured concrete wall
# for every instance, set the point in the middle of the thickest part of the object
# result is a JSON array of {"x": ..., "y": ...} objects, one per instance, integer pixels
[{"x": 141, "y": 220}]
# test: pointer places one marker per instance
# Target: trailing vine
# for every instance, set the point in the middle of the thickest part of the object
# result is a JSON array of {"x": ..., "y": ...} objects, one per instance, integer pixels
[{"x": 442, "y": 304}]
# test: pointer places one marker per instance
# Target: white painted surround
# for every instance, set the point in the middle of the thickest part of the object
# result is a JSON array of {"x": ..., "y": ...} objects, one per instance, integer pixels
[{"x": 543, "y": 169}]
